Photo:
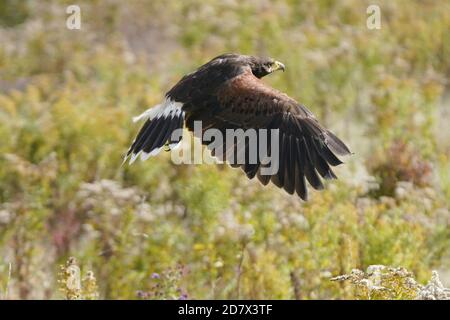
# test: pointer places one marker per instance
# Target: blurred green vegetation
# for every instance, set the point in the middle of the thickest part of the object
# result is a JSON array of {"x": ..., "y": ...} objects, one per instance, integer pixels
[{"x": 67, "y": 97}]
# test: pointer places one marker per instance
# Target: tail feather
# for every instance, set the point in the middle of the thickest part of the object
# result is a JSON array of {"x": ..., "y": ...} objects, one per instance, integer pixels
[
  {"x": 156, "y": 132},
  {"x": 175, "y": 137}
]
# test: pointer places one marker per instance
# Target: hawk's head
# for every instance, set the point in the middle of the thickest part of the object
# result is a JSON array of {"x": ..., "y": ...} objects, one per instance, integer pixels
[
  {"x": 260, "y": 66},
  {"x": 263, "y": 66}
]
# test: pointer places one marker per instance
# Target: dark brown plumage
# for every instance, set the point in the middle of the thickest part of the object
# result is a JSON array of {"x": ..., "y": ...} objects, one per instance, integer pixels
[{"x": 227, "y": 93}]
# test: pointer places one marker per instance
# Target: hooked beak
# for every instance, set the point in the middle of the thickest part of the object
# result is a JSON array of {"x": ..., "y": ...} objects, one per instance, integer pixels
[{"x": 277, "y": 65}]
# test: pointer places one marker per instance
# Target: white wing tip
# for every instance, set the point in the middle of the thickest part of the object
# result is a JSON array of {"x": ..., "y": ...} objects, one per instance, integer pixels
[
  {"x": 134, "y": 157},
  {"x": 174, "y": 146},
  {"x": 148, "y": 114}
]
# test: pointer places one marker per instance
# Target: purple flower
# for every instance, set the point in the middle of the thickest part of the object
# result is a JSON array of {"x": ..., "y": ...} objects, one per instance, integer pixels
[
  {"x": 184, "y": 296},
  {"x": 155, "y": 275},
  {"x": 142, "y": 294}
]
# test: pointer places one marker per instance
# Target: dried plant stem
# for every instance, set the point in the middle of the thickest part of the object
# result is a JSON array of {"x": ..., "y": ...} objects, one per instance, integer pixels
[
  {"x": 239, "y": 270},
  {"x": 8, "y": 279}
]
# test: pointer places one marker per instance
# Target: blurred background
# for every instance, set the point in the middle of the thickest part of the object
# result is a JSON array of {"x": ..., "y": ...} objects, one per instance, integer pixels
[{"x": 157, "y": 230}]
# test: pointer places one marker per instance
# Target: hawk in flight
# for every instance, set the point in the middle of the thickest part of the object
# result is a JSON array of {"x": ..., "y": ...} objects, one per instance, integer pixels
[{"x": 227, "y": 93}]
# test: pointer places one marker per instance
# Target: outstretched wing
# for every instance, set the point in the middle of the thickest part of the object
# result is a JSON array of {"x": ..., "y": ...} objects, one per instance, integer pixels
[{"x": 306, "y": 149}]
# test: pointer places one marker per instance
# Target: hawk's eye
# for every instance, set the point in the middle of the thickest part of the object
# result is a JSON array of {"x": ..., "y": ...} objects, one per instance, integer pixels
[{"x": 267, "y": 66}]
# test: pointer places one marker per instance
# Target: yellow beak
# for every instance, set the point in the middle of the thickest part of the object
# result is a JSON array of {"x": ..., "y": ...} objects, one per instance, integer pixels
[{"x": 277, "y": 65}]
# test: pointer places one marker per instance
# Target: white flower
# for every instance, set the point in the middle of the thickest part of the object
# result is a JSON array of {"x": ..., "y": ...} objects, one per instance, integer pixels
[
  {"x": 5, "y": 216},
  {"x": 434, "y": 290}
]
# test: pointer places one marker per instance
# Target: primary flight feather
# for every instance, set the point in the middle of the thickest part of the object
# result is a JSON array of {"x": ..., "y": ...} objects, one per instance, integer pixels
[{"x": 227, "y": 93}]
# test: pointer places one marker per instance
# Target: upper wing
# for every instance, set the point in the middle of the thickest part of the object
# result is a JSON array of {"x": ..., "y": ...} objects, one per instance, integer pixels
[{"x": 306, "y": 149}]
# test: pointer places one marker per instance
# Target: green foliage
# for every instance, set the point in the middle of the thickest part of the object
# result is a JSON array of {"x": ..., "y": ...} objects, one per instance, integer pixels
[
  {"x": 66, "y": 100},
  {"x": 13, "y": 12}
]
